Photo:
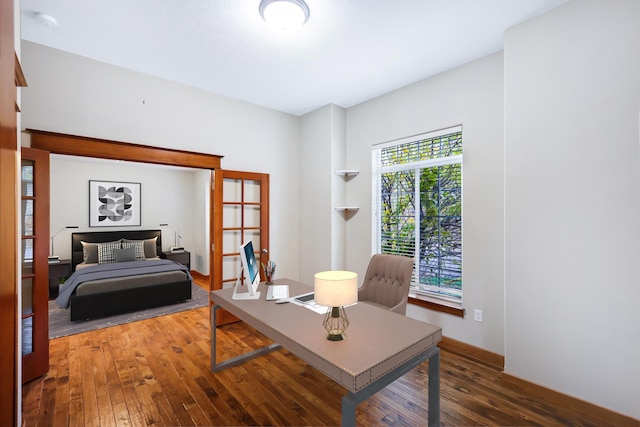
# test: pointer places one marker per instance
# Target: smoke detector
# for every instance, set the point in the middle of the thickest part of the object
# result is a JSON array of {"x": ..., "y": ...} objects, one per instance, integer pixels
[{"x": 47, "y": 20}]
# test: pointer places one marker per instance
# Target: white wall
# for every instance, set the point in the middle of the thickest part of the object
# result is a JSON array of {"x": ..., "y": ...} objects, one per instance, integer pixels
[
  {"x": 572, "y": 199},
  {"x": 471, "y": 95},
  {"x": 201, "y": 212},
  {"x": 75, "y": 95},
  {"x": 322, "y": 228},
  {"x": 315, "y": 193},
  {"x": 338, "y": 188}
]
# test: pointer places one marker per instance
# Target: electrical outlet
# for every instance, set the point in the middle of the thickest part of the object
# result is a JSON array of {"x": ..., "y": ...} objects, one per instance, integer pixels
[{"x": 477, "y": 315}]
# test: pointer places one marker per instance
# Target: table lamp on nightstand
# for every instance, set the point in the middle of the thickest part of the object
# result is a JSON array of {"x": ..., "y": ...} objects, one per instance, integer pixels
[
  {"x": 335, "y": 289},
  {"x": 52, "y": 257},
  {"x": 177, "y": 237}
]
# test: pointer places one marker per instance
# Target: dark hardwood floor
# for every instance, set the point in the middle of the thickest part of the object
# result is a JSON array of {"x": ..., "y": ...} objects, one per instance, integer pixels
[{"x": 156, "y": 372}]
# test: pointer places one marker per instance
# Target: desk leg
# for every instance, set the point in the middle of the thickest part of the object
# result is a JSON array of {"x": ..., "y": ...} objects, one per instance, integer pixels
[
  {"x": 349, "y": 411},
  {"x": 214, "y": 310},
  {"x": 353, "y": 399},
  {"x": 215, "y": 366},
  {"x": 434, "y": 389}
]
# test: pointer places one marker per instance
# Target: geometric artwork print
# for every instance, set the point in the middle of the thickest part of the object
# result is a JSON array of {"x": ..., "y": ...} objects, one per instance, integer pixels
[{"x": 115, "y": 203}]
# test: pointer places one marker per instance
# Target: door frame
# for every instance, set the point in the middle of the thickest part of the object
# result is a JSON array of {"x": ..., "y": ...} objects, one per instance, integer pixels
[
  {"x": 74, "y": 145},
  {"x": 11, "y": 77}
]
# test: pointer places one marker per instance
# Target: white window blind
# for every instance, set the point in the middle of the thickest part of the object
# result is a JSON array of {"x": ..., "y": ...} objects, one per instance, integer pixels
[{"x": 417, "y": 209}]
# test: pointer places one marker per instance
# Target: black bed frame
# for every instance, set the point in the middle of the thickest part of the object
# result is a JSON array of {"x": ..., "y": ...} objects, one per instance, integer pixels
[{"x": 125, "y": 300}]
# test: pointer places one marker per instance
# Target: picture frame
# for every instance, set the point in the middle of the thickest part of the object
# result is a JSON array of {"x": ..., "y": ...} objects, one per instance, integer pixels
[{"x": 114, "y": 203}]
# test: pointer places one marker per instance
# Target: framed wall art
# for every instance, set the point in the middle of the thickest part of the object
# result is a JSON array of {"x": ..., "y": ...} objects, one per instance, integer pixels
[{"x": 114, "y": 204}]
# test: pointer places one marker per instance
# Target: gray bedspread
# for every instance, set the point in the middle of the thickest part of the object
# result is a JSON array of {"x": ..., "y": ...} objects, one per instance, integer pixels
[{"x": 121, "y": 269}]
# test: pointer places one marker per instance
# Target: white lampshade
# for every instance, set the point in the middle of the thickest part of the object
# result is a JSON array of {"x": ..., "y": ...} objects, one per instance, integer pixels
[
  {"x": 284, "y": 15},
  {"x": 335, "y": 288}
]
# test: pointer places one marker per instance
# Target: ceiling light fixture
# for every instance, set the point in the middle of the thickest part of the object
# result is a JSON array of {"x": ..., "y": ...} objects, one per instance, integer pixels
[{"x": 284, "y": 15}]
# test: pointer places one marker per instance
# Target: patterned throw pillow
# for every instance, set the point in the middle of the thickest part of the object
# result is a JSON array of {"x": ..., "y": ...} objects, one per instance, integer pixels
[
  {"x": 90, "y": 252},
  {"x": 106, "y": 253},
  {"x": 138, "y": 245}
]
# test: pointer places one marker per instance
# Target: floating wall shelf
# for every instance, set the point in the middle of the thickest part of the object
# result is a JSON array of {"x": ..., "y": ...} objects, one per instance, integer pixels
[
  {"x": 347, "y": 209},
  {"x": 347, "y": 172}
]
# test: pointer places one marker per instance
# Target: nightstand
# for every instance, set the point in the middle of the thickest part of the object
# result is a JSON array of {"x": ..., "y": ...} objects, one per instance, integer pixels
[
  {"x": 59, "y": 271},
  {"x": 183, "y": 257}
]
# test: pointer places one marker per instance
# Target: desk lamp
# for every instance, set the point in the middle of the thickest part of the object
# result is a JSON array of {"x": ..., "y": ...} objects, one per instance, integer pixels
[
  {"x": 335, "y": 289},
  {"x": 53, "y": 257},
  {"x": 177, "y": 237}
]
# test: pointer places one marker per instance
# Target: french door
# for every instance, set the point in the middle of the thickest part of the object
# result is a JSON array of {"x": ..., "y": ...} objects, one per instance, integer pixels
[
  {"x": 34, "y": 216},
  {"x": 240, "y": 207}
]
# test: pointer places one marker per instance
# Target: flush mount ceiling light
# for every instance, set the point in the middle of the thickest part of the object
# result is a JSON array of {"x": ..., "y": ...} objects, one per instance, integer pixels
[{"x": 284, "y": 15}]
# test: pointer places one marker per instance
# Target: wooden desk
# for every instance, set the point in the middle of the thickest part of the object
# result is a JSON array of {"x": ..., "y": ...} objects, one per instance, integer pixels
[{"x": 380, "y": 346}]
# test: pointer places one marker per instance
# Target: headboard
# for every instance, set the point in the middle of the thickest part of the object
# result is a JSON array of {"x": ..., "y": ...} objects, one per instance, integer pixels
[{"x": 109, "y": 236}]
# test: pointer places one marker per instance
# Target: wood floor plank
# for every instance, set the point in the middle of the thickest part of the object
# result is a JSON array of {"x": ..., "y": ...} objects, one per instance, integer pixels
[
  {"x": 193, "y": 378},
  {"x": 157, "y": 372},
  {"x": 106, "y": 410},
  {"x": 150, "y": 393},
  {"x": 114, "y": 388},
  {"x": 223, "y": 401},
  {"x": 89, "y": 397},
  {"x": 32, "y": 399},
  {"x": 171, "y": 388},
  {"x": 61, "y": 350},
  {"x": 75, "y": 381},
  {"x": 119, "y": 340},
  {"x": 166, "y": 347},
  {"x": 48, "y": 399}
]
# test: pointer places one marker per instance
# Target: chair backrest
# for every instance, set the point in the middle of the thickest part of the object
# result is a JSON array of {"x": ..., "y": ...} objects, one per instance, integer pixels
[{"x": 387, "y": 282}]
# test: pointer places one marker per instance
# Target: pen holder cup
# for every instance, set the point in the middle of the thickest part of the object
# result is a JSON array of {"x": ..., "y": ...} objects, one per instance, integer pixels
[{"x": 269, "y": 271}]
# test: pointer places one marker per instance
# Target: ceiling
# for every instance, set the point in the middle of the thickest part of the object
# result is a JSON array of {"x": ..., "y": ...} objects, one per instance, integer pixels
[{"x": 348, "y": 52}]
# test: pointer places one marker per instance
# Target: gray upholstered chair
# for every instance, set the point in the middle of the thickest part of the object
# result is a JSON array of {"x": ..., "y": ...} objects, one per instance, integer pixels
[{"x": 386, "y": 283}]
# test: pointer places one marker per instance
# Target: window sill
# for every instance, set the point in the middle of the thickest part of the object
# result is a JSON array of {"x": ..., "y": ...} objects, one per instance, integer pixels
[{"x": 436, "y": 304}]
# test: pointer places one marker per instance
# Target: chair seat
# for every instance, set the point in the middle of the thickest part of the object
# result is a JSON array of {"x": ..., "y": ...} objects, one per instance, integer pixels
[{"x": 375, "y": 304}]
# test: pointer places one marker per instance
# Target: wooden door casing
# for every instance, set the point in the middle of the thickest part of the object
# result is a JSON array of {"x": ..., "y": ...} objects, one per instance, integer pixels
[{"x": 9, "y": 362}]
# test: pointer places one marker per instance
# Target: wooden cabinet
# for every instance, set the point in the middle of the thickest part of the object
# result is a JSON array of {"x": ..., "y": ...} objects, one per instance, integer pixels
[{"x": 183, "y": 257}]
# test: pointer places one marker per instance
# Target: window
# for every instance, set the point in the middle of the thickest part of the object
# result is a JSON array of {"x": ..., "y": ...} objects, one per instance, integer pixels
[{"x": 417, "y": 209}]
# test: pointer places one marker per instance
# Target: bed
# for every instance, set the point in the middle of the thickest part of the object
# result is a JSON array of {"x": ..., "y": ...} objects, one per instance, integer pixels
[{"x": 130, "y": 276}]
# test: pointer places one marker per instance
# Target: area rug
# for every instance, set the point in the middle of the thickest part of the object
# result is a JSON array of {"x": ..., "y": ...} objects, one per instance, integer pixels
[{"x": 60, "y": 325}]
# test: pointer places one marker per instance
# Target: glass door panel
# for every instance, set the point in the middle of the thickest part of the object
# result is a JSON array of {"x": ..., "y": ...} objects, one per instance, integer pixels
[
  {"x": 241, "y": 213},
  {"x": 27, "y": 204},
  {"x": 34, "y": 184}
]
